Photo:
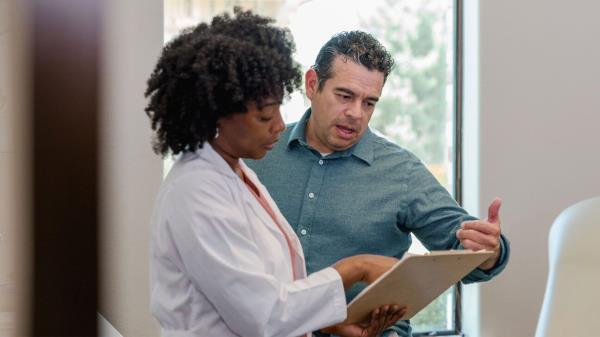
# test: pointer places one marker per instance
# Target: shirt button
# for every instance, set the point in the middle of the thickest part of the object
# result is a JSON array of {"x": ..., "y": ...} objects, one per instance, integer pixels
[
  {"x": 320, "y": 161},
  {"x": 311, "y": 195},
  {"x": 303, "y": 232}
]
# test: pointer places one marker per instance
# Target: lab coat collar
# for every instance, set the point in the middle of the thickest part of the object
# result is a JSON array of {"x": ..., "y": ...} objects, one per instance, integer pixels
[{"x": 208, "y": 153}]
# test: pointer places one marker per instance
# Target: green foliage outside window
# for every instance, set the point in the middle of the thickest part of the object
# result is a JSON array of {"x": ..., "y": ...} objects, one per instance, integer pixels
[{"x": 413, "y": 110}]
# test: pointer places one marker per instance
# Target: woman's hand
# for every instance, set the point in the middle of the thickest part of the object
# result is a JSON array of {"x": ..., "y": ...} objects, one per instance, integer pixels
[
  {"x": 363, "y": 268},
  {"x": 381, "y": 318},
  {"x": 377, "y": 265}
]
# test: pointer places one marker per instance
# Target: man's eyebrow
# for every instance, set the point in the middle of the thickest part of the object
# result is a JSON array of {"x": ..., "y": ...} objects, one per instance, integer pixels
[
  {"x": 345, "y": 90},
  {"x": 351, "y": 93}
]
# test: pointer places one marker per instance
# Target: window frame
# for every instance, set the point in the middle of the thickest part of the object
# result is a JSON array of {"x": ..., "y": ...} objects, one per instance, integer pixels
[{"x": 457, "y": 158}]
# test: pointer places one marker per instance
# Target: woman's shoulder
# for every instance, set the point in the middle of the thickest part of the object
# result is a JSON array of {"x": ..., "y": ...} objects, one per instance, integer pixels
[{"x": 197, "y": 176}]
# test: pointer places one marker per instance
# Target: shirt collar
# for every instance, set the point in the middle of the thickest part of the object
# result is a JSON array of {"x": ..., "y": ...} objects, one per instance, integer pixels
[
  {"x": 363, "y": 150},
  {"x": 208, "y": 153},
  {"x": 298, "y": 133}
]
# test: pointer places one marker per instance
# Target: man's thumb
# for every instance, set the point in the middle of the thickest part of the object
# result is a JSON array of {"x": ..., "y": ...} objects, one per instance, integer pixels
[{"x": 494, "y": 211}]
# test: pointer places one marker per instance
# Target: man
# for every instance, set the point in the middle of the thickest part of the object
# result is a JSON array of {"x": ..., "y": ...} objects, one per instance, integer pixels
[{"x": 347, "y": 191}]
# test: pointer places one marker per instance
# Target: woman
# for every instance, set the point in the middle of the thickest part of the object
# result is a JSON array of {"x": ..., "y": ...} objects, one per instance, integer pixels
[{"x": 224, "y": 261}]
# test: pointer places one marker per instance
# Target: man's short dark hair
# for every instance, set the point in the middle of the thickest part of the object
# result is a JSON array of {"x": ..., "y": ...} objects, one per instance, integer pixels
[
  {"x": 357, "y": 46},
  {"x": 214, "y": 70}
]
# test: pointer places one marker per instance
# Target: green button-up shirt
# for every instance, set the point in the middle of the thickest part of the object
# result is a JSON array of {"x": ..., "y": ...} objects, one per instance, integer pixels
[{"x": 367, "y": 199}]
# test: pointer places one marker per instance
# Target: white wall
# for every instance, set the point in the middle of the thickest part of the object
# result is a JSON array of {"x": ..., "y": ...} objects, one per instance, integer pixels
[
  {"x": 14, "y": 165},
  {"x": 539, "y": 138},
  {"x": 131, "y": 172}
]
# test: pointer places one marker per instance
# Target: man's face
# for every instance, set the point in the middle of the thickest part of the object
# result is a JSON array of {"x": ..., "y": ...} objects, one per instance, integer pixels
[{"x": 341, "y": 110}]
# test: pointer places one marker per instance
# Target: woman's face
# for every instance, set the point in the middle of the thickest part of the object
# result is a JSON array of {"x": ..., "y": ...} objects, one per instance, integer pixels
[{"x": 253, "y": 133}]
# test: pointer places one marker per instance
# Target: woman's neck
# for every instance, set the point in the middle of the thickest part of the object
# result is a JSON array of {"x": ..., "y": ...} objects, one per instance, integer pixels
[{"x": 232, "y": 160}]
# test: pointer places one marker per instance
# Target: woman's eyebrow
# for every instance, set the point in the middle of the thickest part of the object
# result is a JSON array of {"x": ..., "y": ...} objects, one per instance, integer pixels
[{"x": 264, "y": 105}]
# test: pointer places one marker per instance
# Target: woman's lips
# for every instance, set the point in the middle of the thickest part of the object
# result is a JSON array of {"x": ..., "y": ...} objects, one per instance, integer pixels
[{"x": 270, "y": 146}]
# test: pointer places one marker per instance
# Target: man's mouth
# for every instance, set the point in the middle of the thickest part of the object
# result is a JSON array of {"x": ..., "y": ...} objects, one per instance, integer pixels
[{"x": 344, "y": 131}]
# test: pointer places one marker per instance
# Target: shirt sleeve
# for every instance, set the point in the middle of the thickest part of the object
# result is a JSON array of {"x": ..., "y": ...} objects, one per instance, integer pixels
[
  {"x": 400, "y": 329},
  {"x": 432, "y": 214},
  {"x": 219, "y": 255},
  {"x": 480, "y": 275}
]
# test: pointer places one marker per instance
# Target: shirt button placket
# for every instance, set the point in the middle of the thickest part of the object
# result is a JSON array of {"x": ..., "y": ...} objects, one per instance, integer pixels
[{"x": 315, "y": 180}]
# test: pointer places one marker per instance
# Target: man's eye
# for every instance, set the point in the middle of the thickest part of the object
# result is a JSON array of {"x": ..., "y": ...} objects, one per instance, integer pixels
[{"x": 265, "y": 119}]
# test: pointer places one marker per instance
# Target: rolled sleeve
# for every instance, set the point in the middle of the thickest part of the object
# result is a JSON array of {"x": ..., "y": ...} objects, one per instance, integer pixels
[
  {"x": 479, "y": 275},
  {"x": 390, "y": 333}
]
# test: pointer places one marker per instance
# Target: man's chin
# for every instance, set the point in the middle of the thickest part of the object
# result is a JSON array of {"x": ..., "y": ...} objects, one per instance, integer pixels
[{"x": 342, "y": 144}]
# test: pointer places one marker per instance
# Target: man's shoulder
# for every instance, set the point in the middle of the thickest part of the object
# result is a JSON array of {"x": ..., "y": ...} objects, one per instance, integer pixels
[{"x": 384, "y": 148}]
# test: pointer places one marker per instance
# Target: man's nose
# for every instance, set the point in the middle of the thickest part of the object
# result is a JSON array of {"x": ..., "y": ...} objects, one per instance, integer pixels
[{"x": 354, "y": 110}]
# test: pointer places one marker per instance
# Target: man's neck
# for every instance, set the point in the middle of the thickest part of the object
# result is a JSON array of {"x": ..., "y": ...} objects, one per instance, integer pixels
[{"x": 313, "y": 141}]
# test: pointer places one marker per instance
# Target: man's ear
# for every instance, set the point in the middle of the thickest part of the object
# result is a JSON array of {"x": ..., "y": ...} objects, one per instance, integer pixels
[{"x": 311, "y": 82}]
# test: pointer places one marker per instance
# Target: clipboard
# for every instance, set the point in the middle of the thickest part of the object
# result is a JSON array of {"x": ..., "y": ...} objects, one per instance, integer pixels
[{"x": 415, "y": 281}]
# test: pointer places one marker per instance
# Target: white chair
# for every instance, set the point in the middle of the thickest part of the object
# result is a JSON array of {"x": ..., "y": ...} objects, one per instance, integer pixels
[{"x": 572, "y": 299}]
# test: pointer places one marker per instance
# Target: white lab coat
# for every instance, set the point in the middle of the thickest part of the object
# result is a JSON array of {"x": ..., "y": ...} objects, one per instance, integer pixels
[{"x": 220, "y": 266}]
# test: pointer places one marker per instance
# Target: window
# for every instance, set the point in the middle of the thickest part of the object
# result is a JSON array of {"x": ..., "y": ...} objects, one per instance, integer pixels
[{"x": 416, "y": 110}]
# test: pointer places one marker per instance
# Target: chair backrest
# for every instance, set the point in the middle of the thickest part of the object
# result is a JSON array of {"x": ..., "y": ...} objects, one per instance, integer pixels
[{"x": 572, "y": 299}]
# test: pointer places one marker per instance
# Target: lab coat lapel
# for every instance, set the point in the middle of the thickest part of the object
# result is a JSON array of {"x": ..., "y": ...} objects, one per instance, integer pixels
[
  {"x": 259, "y": 211},
  {"x": 280, "y": 218},
  {"x": 265, "y": 218},
  {"x": 210, "y": 155}
]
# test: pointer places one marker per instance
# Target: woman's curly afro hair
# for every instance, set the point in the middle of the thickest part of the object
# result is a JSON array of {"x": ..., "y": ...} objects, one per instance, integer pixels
[{"x": 212, "y": 71}]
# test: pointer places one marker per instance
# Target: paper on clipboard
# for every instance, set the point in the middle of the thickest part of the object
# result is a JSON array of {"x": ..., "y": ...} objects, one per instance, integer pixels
[{"x": 415, "y": 281}]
